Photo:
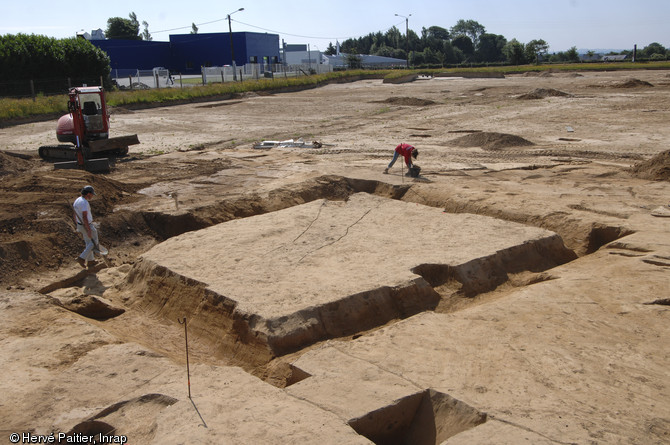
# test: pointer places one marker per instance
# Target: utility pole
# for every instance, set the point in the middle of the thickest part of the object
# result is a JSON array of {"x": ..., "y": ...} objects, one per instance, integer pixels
[
  {"x": 406, "y": 34},
  {"x": 232, "y": 48},
  {"x": 309, "y": 58}
]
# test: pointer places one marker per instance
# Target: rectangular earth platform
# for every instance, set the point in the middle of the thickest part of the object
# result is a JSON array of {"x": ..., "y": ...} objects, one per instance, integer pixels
[{"x": 280, "y": 281}]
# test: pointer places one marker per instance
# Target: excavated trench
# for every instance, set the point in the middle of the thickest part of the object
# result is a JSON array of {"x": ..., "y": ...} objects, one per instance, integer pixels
[
  {"x": 583, "y": 237},
  {"x": 246, "y": 336},
  {"x": 254, "y": 340},
  {"x": 425, "y": 418},
  {"x": 162, "y": 225}
]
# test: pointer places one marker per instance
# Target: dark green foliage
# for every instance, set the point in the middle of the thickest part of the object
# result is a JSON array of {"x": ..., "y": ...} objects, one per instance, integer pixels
[
  {"x": 570, "y": 55},
  {"x": 331, "y": 50},
  {"x": 437, "y": 46},
  {"x": 436, "y": 33},
  {"x": 353, "y": 61},
  {"x": 469, "y": 28},
  {"x": 34, "y": 57},
  {"x": 515, "y": 52},
  {"x": 120, "y": 28},
  {"x": 654, "y": 51},
  {"x": 467, "y": 42},
  {"x": 491, "y": 47},
  {"x": 464, "y": 43},
  {"x": 383, "y": 44},
  {"x": 535, "y": 49}
]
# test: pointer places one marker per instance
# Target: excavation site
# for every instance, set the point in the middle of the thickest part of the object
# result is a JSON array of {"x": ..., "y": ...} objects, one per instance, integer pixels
[{"x": 271, "y": 279}]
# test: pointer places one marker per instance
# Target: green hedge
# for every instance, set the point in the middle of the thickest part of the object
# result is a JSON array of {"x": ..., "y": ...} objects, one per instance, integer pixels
[{"x": 33, "y": 57}]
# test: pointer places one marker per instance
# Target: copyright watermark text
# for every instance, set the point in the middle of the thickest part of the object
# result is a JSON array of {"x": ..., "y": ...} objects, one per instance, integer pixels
[{"x": 78, "y": 438}]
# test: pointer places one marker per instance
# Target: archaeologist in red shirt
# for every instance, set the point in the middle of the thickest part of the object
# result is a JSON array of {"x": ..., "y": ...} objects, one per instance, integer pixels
[{"x": 408, "y": 152}]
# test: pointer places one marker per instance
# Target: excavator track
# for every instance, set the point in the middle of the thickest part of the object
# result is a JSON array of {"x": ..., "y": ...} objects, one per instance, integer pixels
[
  {"x": 69, "y": 152},
  {"x": 67, "y": 155},
  {"x": 51, "y": 152}
]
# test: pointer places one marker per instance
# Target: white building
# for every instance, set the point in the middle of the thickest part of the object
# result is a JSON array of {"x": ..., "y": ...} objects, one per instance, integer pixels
[
  {"x": 96, "y": 34},
  {"x": 367, "y": 61},
  {"x": 302, "y": 55}
]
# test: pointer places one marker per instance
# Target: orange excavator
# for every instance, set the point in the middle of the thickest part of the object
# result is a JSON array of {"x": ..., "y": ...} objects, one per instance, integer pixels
[{"x": 86, "y": 129}]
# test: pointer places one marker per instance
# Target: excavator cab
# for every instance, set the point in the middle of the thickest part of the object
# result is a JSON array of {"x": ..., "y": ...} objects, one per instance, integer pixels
[
  {"x": 88, "y": 119},
  {"x": 94, "y": 114},
  {"x": 93, "y": 119}
]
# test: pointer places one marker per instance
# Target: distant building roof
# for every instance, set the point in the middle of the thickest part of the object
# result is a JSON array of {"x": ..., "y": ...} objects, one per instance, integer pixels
[
  {"x": 366, "y": 60},
  {"x": 590, "y": 57},
  {"x": 615, "y": 58},
  {"x": 295, "y": 47},
  {"x": 96, "y": 34}
]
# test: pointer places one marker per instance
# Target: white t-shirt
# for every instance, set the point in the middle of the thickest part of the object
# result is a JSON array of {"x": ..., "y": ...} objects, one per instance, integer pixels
[{"x": 81, "y": 205}]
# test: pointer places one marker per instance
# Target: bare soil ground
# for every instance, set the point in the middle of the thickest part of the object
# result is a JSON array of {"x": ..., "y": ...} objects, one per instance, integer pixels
[{"x": 546, "y": 353}]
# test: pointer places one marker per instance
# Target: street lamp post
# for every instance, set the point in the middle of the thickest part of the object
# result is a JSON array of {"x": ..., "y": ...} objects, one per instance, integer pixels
[
  {"x": 406, "y": 34},
  {"x": 232, "y": 49}
]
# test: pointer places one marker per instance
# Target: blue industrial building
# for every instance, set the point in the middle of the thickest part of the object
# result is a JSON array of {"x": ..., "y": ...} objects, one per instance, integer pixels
[
  {"x": 191, "y": 51},
  {"x": 127, "y": 56},
  {"x": 186, "y": 53}
]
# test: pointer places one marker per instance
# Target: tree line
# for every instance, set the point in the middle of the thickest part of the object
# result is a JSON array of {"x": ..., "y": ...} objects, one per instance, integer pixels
[
  {"x": 465, "y": 42},
  {"x": 34, "y": 57}
]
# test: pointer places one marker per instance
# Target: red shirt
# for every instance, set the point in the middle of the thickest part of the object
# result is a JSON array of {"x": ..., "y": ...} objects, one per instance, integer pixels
[{"x": 406, "y": 151}]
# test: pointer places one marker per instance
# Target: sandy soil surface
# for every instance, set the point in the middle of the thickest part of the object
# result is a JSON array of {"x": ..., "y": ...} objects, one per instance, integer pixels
[{"x": 511, "y": 349}]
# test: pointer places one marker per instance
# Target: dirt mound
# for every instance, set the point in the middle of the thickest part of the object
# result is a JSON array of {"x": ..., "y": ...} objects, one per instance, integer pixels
[
  {"x": 36, "y": 228},
  {"x": 655, "y": 169},
  {"x": 11, "y": 164},
  {"x": 411, "y": 101},
  {"x": 491, "y": 141},
  {"x": 541, "y": 93},
  {"x": 61, "y": 186},
  {"x": 632, "y": 83}
]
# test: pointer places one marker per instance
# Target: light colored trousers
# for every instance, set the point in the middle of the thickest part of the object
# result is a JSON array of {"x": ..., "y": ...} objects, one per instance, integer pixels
[{"x": 91, "y": 243}]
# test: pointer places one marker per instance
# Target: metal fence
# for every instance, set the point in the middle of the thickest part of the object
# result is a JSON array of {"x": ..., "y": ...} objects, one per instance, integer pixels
[
  {"x": 44, "y": 87},
  {"x": 145, "y": 79},
  {"x": 161, "y": 78},
  {"x": 257, "y": 71}
]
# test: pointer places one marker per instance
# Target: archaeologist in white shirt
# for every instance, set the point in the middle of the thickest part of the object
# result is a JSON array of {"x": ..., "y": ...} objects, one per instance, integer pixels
[{"x": 84, "y": 221}]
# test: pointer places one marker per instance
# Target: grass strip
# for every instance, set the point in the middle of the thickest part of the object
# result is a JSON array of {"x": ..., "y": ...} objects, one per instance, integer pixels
[{"x": 20, "y": 109}]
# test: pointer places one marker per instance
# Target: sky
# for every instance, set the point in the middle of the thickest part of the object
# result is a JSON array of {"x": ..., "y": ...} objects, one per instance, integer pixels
[{"x": 585, "y": 24}]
